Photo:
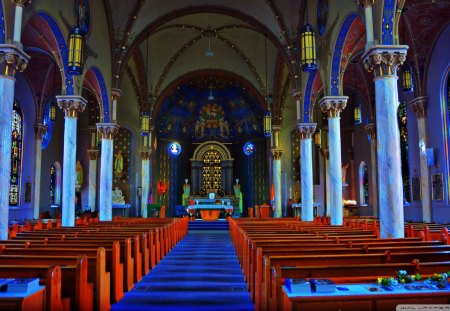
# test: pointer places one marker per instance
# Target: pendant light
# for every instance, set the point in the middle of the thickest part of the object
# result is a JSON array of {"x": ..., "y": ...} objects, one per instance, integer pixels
[
  {"x": 145, "y": 115},
  {"x": 75, "y": 53},
  {"x": 407, "y": 78},
  {"x": 308, "y": 46},
  {"x": 267, "y": 125},
  {"x": 357, "y": 107}
]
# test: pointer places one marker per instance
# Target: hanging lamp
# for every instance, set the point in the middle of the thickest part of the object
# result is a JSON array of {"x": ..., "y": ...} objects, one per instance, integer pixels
[
  {"x": 308, "y": 48},
  {"x": 407, "y": 79},
  {"x": 75, "y": 53}
]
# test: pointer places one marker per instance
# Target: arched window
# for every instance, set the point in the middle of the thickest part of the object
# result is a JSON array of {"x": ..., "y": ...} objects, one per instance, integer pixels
[
  {"x": 48, "y": 134},
  {"x": 363, "y": 184},
  {"x": 402, "y": 122},
  {"x": 16, "y": 155}
]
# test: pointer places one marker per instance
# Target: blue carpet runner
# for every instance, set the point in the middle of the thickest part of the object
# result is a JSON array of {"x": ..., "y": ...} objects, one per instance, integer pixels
[{"x": 200, "y": 273}]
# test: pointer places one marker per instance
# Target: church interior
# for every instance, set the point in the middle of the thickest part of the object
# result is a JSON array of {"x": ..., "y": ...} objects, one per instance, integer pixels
[{"x": 192, "y": 122}]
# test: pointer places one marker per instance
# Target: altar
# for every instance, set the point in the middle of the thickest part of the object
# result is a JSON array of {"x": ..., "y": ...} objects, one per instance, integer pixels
[{"x": 210, "y": 209}]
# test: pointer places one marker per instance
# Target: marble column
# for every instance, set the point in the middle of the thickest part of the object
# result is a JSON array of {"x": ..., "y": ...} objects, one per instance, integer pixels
[
  {"x": 145, "y": 179},
  {"x": 19, "y": 5},
  {"x": 107, "y": 132},
  {"x": 372, "y": 132},
  {"x": 306, "y": 131},
  {"x": 297, "y": 94},
  {"x": 384, "y": 61},
  {"x": 332, "y": 106},
  {"x": 72, "y": 105},
  {"x": 92, "y": 190},
  {"x": 12, "y": 59},
  {"x": 276, "y": 166},
  {"x": 419, "y": 106},
  {"x": 326, "y": 156},
  {"x": 115, "y": 95},
  {"x": 39, "y": 131},
  {"x": 367, "y": 5}
]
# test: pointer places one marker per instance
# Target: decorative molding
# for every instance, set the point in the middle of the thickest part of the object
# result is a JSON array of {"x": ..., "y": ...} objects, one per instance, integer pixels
[
  {"x": 21, "y": 3},
  {"x": 371, "y": 130},
  {"x": 71, "y": 104},
  {"x": 107, "y": 130},
  {"x": 200, "y": 151},
  {"x": 39, "y": 131},
  {"x": 297, "y": 94},
  {"x": 333, "y": 105},
  {"x": 93, "y": 154},
  {"x": 116, "y": 93},
  {"x": 365, "y": 3},
  {"x": 12, "y": 59},
  {"x": 419, "y": 106},
  {"x": 306, "y": 130},
  {"x": 384, "y": 60}
]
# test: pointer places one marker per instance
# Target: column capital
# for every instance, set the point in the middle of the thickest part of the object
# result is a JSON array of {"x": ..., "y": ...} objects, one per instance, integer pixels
[
  {"x": 145, "y": 153},
  {"x": 116, "y": 93},
  {"x": 93, "y": 154},
  {"x": 21, "y": 3},
  {"x": 277, "y": 153},
  {"x": 71, "y": 104},
  {"x": 296, "y": 93},
  {"x": 365, "y": 3},
  {"x": 306, "y": 130},
  {"x": 39, "y": 131},
  {"x": 276, "y": 128},
  {"x": 107, "y": 130},
  {"x": 384, "y": 60},
  {"x": 333, "y": 105},
  {"x": 419, "y": 106},
  {"x": 12, "y": 59},
  {"x": 371, "y": 129}
]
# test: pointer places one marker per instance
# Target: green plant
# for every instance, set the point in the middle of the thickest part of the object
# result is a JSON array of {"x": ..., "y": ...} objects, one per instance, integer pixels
[
  {"x": 439, "y": 278},
  {"x": 402, "y": 277}
]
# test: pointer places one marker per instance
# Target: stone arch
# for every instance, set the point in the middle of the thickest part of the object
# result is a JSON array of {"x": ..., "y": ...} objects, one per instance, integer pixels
[
  {"x": 94, "y": 81},
  {"x": 201, "y": 150}
]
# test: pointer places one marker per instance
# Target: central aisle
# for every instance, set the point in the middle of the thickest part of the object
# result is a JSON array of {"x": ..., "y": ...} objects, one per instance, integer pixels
[{"x": 200, "y": 273}]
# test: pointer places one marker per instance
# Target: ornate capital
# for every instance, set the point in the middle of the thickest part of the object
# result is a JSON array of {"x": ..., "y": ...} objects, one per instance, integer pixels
[
  {"x": 333, "y": 105},
  {"x": 364, "y": 3},
  {"x": 297, "y": 94},
  {"x": 371, "y": 129},
  {"x": 306, "y": 130},
  {"x": 145, "y": 153},
  {"x": 93, "y": 154},
  {"x": 21, "y": 3},
  {"x": 277, "y": 153},
  {"x": 71, "y": 104},
  {"x": 116, "y": 94},
  {"x": 107, "y": 130},
  {"x": 419, "y": 106},
  {"x": 276, "y": 128},
  {"x": 39, "y": 131},
  {"x": 384, "y": 60},
  {"x": 12, "y": 59}
]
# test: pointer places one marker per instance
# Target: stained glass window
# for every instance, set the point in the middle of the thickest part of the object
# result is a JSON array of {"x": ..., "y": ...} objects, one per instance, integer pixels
[
  {"x": 402, "y": 122},
  {"x": 48, "y": 134},
  {"x": 52, "y": 184},
  {"x": 16, "y": 155},
  {"x": 363, "y": 184}
]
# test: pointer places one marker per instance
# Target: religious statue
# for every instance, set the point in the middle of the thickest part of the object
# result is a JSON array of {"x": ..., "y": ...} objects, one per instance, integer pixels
[
  {"x": 238, "y": 194},
  {"x": 117, "y": 196},
  {"x": 344, "y": 173},
  {"x": 79, "y": 174},
  {"x": 118, "y": 164},
  {"x": 186, "y": 193}
]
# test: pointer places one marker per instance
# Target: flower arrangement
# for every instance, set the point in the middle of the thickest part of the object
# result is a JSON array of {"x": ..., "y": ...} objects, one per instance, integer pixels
[
  {"x": 349, "y": 202},
  {"x": 439, "y": 278},
  {"x": 402, "y": 278}
]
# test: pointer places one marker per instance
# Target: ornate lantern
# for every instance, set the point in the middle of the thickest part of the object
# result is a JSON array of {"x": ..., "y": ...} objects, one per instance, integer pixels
[
  {"x": 145, "y": 123},
  {"x": 407, "y": 79},
  {"x": 308, "y": 48},
  {"x": 357, "y": 114},
  {"x": 268, "y": 124},
  {"x": 76, "y": 47},
  {"x": 52, "y": 112},
  {"x": 318, "y": 138}
]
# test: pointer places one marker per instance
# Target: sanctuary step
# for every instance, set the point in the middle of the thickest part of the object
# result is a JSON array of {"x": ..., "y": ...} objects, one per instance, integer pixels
[{"x": 208, "y": 225}]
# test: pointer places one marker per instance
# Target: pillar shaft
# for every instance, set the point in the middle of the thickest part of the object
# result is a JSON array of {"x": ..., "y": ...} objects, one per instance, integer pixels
[
  {"x": 297, "y": 94},
  {"x": 115, "y": 95},
  {"x": 419, "y": 105},
  {"x": 145, "y": 180},
  {"x": 276, "y": 165},
  {"x": 107, "y": 132},
  {"x": 384, "y": 62},
  {"x": 92, "y": 190},
  {"x": 306, "y": 130},
  {"x": 332, "y": 106},
  {"x": 71, "y": 104},
  {"x": 40, "y": 130},
  {"x": 372, "y": 131},
  {"x": 367, "y": 5},
  {"x": 11, "y": 59}
]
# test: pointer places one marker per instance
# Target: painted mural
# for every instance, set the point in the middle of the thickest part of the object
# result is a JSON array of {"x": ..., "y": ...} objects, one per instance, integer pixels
[{"x": 198, "y": 112}]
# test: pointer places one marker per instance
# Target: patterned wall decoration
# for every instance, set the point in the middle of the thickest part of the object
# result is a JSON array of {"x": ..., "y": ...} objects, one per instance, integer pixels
[
  {"x": 387, "y": 37},
  {"x": 198, "y": 112},
  {"x": 122, "y": 149},
  {"x": 2, "y": 25},
  {"x": 101, "y": 88},
  {"x": 337, "y": 54}
]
